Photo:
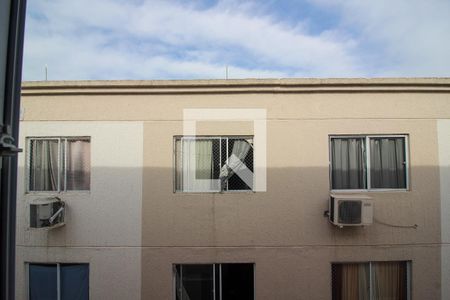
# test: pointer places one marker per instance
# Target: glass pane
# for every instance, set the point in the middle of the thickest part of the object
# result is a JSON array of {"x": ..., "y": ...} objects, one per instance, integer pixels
[
  {"x": 178, "y": 285},
  {"x": 43, "y": 282},
  {"x": 197, "y": 165},
  {"x": 387, "y": 163},
  {"x": 197, "y": 282},
  {"x": 74, "y": 281},
  {"x": 78, "y": 169},
  {"x": 389, "y": 280},
  {"x": 237, "y": 282},
  {"x": 204, "y": 162},
  {"x": 348, "y": 163},
  {"x": 240, "y": 162},
  {"x": 44, "y": 160}
]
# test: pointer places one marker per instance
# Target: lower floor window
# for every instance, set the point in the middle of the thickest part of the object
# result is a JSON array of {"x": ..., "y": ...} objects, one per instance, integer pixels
[
  {"x": 58, "y": 281},
  {"x": 371, "y": 281},
  {"x": 214, "y": 282}
]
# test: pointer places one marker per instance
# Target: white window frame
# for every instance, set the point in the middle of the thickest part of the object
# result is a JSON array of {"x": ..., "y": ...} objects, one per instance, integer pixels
[
  {"x": 366, "y": 138},
  {"x": 62, "y": 161},
  {"x": 209, "y": 137},
  {"x": 370, "y": 263},
  {"x": 58, "y": 276}
]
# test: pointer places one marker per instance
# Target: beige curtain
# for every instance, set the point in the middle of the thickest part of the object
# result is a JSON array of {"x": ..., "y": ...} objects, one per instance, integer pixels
[
  {"x": 389, "y": 280},
  {"x": 44, "y": 165},
  {"x": 355, "y": 282}
]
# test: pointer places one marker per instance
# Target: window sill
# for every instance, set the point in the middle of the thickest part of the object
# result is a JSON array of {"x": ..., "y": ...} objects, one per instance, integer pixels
[
  {"x": 370, "y": 191},
  {"x": 53, "y": 193},
  {"x": 206, "y": 193}
]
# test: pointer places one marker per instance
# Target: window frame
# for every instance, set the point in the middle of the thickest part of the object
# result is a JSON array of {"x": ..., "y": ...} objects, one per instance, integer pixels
[
  {"x": 62, "y": 140},
  {"x": 58, "y": 275},
  {"x": 370, "y": 263},
  {"x": 209, "y": 137},
  {"x": 213, "y": 265},
  {"x": 366, "y": 138}
]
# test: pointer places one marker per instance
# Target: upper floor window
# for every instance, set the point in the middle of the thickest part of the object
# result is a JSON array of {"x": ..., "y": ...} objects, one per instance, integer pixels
[
  {"x": 59, "y": 164},
  {"x": 213, "y": 164},
  {"x": 369, "y": 162}
]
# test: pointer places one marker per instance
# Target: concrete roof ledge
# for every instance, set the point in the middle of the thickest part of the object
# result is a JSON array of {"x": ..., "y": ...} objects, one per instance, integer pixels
[{"x": 291, "y": 85}]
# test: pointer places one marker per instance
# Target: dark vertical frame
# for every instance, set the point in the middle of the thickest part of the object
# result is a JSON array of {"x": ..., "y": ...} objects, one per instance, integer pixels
[{"x": 12, "y": 23}]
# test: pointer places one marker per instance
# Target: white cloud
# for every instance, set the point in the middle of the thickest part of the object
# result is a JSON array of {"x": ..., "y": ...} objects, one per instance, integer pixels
[
  {"x": 118, "y": 39},
  {"x": 399, "y": 38},
  {"x": 113, "y": 39}
]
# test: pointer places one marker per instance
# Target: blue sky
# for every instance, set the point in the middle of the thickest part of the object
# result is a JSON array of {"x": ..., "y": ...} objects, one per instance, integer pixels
[{"x": 198, "y": 39}]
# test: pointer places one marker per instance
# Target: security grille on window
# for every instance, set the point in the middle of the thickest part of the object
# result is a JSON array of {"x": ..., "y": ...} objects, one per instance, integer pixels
[
  {"x": 59, "y": 164},
  {"x": 369, "y": 162},
  {"x": 213, "y": 164},
  {"x": 371, "y": 281},
  {"x": 214, "y": 281},
  {"x": 58, "y": 281}
]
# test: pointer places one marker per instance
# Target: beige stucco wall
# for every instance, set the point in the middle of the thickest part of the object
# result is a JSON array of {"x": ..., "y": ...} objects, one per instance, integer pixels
[
  {"x": 444, "y": 162},
  {"x": 291, "y": 211},
  {"x": 103, "y": 225},
  {"x": 136, "y": 107},
  {"x": 282, "y": 230},
  {"x": 295, "y": 272}
]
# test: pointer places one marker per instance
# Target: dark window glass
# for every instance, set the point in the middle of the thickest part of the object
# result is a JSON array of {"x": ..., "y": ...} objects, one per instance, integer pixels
[
  {"x": 237, "y": 281},
  {"x": 43, "y": 282},
  {"x": 197, "y": 282},
  {"x": 74, "y": 282},
  {"x": 222, "y": 281}
]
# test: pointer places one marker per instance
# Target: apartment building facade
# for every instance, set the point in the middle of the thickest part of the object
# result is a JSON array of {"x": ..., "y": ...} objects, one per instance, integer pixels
[{"x": 237, "y": 205}]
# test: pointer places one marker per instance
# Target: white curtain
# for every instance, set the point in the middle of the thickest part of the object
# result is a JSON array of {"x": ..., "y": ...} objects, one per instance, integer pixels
[
  {"x": 235, "y": 161},
  {"x": 195, "y": 166},
  {"x": 44, "y": 165}
]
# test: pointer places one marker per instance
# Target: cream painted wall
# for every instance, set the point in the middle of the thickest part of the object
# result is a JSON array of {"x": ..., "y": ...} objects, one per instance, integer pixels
[
  {"x": 103, "y": 225},
  {"x": 443, "y": 127}
]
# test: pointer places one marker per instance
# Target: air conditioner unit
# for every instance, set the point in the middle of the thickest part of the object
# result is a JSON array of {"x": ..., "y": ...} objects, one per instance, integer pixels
[
  {"x": 47, "y": 213},
  {"x": 350, "y": 210}
]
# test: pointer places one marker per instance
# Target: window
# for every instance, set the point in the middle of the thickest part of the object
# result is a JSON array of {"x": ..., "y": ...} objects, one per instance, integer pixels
[
  {"x": 59, "y": 164},
  {"x": 214, "y": 282},
  {"x": 369, "y": 162},
  {"x": 213, "y": 164},
  {"x": 58, "y": 281},
  {"x": 371, "y": 281}
]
